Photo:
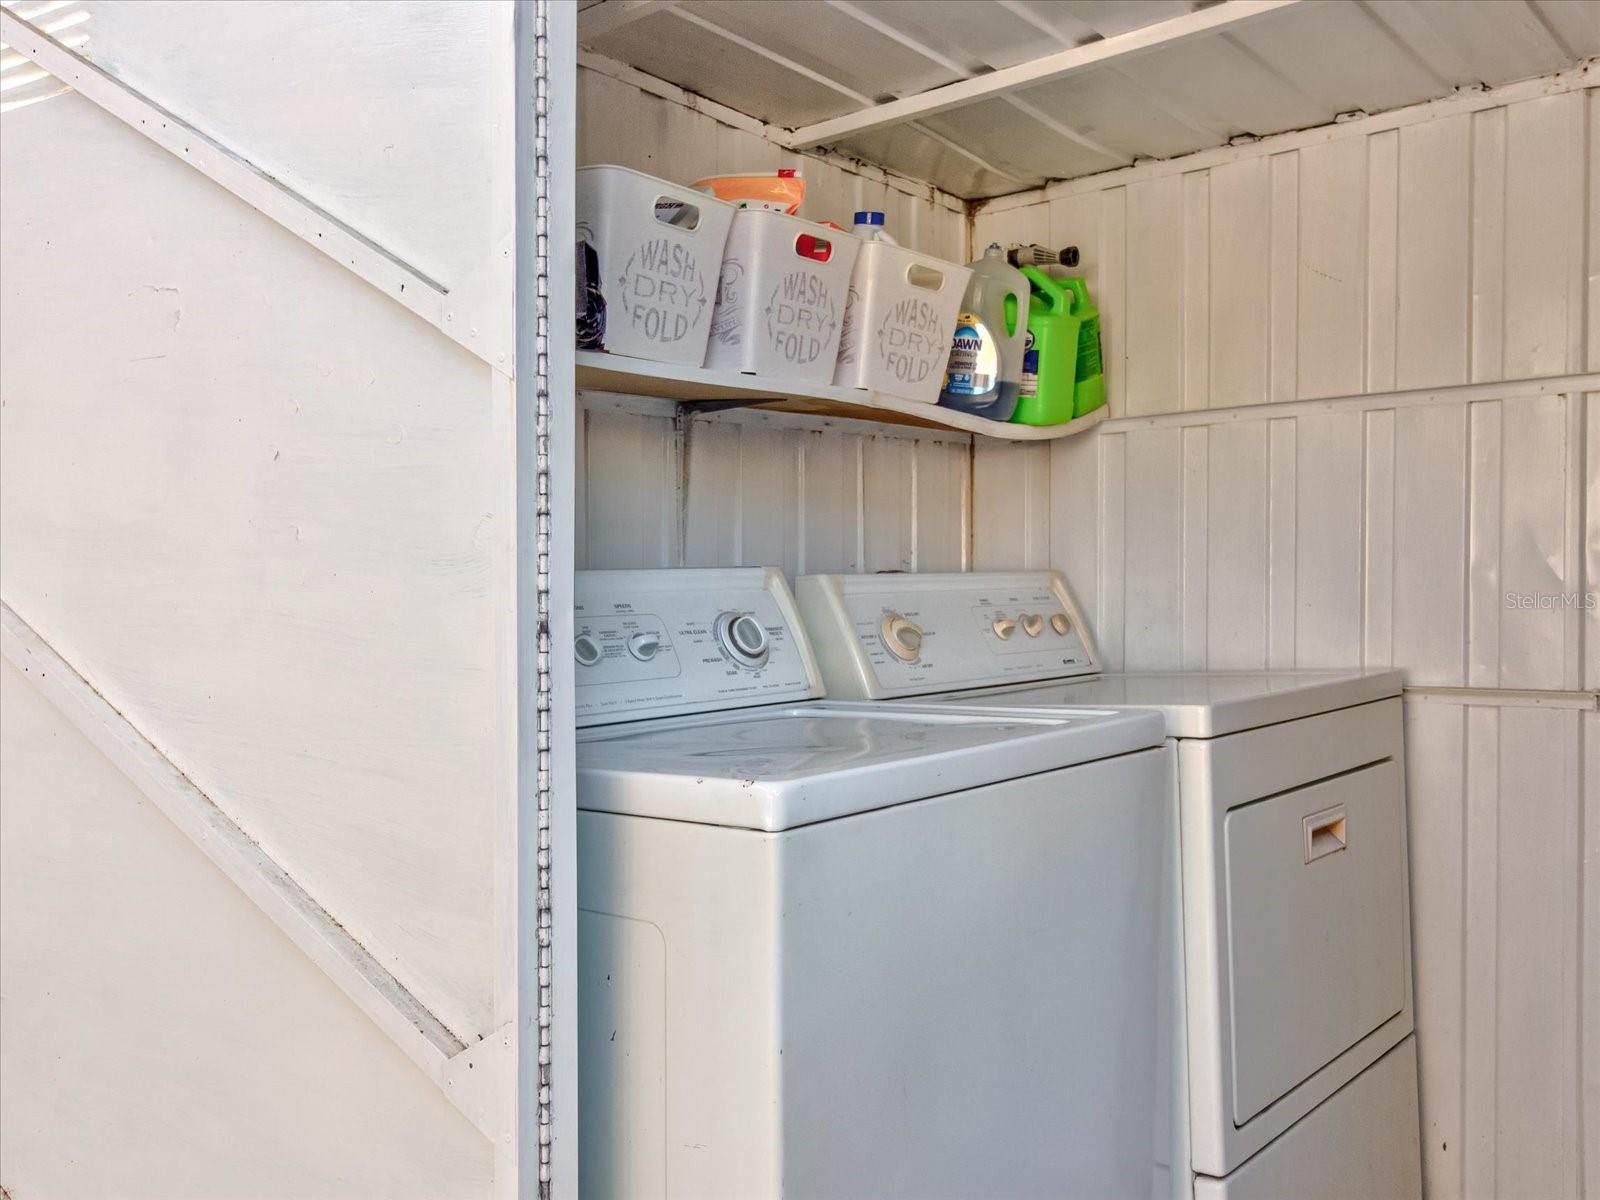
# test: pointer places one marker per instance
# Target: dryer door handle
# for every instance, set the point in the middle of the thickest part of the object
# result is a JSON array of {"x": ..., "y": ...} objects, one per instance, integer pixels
[{"x": 1325, "y": 833}]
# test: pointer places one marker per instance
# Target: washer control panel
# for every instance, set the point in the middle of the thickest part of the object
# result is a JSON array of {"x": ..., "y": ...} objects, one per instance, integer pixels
[
  {"x": 658, "y": 643},
  {"x": 881, "y": 636}
]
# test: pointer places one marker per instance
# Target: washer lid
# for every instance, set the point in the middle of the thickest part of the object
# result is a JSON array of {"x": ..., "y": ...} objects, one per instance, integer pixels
[
  {"x": 1205, "y": 704},
  {"x": 788, "y": 765}
]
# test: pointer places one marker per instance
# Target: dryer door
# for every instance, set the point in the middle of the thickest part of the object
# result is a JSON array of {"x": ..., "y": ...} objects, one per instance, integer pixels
[
  {"x": 1315, "y": 935},
  {"x": 1296, "y": 920}
]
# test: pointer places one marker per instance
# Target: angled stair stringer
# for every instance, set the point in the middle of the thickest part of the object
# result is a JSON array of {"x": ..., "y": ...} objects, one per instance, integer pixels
[
  {"x": 403, "y": 283},
  {"x": 475, "y": 1078}
]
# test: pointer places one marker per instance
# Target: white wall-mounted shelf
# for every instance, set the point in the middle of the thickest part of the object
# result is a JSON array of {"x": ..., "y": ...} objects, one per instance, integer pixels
[{"x": 601, "y": 372}]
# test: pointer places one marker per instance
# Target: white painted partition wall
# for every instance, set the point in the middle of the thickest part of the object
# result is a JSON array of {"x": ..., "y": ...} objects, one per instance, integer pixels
[
  {"x": 275, "y": 542},
  {"x": 1353, "y": 378}
]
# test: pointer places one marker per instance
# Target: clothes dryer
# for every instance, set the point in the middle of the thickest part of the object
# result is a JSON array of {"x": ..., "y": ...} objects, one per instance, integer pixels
[{"x": 1296, "y": 1050}]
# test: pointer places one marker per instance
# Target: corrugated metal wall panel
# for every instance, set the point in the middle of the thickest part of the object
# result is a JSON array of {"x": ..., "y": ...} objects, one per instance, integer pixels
[
  {"x": 1011, "y": 506},
  {"x": 1236, "y": 575},
  {"x": 1435, "y": 794},
  {"x": 1589, "y": 1100},
  {"x": 1410, "y": 257},
  {"x": 1590, "y": 632},
  {"x": 628, "y": 491},
  {"x": 1382, "y": 530},
  {"x": 1497, "y": 798},
  {"x": 764, "y": 489},
  {"x": 1152, "y": 591},
  {"x": 1370, "y": 534},
  {"x": 1340, "y": 540},
  {"x": 1537, "y": 957},
  {"x": 1074, "y": 527},
  {"x": 1427, "y": 476}
]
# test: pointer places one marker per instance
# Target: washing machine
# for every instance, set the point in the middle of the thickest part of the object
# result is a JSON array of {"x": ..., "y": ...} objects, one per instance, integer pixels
[
  {"x": 844, "y": 950},
  {"x": 1296, "y": 1061}
]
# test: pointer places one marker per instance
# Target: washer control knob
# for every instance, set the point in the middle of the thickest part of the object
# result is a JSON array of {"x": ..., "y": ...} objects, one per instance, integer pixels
[
  {"x": 644, "y": 646},
  {"x": 1004, "y": 627},
  {"x": 901, "y": 637},
  {"x": 743, "y": 639},
  {"x": 587, "y": 650},
  {"x": 1032, "y": 624},
  {"x": 1060, "y": 624}
]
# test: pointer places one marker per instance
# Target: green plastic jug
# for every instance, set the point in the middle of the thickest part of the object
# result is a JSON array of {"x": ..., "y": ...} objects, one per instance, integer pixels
[
  {"x": 1049, "y": 362},
  {"x": 1089, "y": 388}
]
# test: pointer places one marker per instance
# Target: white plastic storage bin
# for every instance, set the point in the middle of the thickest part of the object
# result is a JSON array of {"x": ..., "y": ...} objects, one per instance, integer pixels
[
  {"x": 898, "y": 322},
  {"x": 659, "y": 249},
  {"x": 781, "y": 297}
]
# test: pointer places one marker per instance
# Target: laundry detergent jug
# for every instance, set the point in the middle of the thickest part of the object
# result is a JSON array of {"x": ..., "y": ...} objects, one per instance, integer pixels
[
  {"x": 985, "y": 367},
  {"x": 1050, "y": 356},
  {"x": 1089, "y": 390}
]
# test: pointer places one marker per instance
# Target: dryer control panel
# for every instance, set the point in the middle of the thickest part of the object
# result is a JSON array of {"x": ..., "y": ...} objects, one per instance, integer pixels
[
  {"x": 883, "y": 636},
  {"x": 659, "y": 643}
]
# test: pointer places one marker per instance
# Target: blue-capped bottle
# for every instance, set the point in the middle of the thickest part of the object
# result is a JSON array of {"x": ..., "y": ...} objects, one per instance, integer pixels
[
  {"x": 984, "y": 373},
  {"x": 869, "y": 227}
]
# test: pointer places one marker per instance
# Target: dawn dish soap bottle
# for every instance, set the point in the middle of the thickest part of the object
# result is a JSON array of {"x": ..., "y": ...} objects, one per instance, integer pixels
[{"x": 985, "y": 367}]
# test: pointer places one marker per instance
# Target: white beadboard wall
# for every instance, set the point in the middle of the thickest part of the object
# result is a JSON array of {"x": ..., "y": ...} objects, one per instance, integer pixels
[
  {"x": 751, "y": 488},
  {"x": 757, "y": 488},
  {"x": 1326, "y": 451}
]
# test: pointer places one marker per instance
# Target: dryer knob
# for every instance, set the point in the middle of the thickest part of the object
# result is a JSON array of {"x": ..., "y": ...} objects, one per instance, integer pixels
[
  {"x": 901, "y": 637},
  {"x": 1004, "y": 627},
  {"x": 1032, "y": 624},
  {"x": 1060, "y": 624}
]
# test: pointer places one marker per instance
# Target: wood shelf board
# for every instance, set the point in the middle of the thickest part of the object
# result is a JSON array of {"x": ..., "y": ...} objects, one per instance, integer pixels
[{"x": 601, "y": 372}]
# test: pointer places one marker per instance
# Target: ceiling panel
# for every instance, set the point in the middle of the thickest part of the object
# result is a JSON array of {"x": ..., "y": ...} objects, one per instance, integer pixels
[
  {"x": 830, "y": 41},
  {"x": 1019, "y": 144},
  {"x": 671, "y": 48},
  {"x": 1117, "y": 112},
  {"x": 979, "y": 37},
  {"x": 1575, "y": 22},
  {"x": 795, "y": 63},
  {"x": 1343, "y": 58},
  {"x": 1500, "y": 40},
  {"x": 1229, "y": 87},
  {"x": 915, "y": 154},
  {"x": 1101, "y": 18}
]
